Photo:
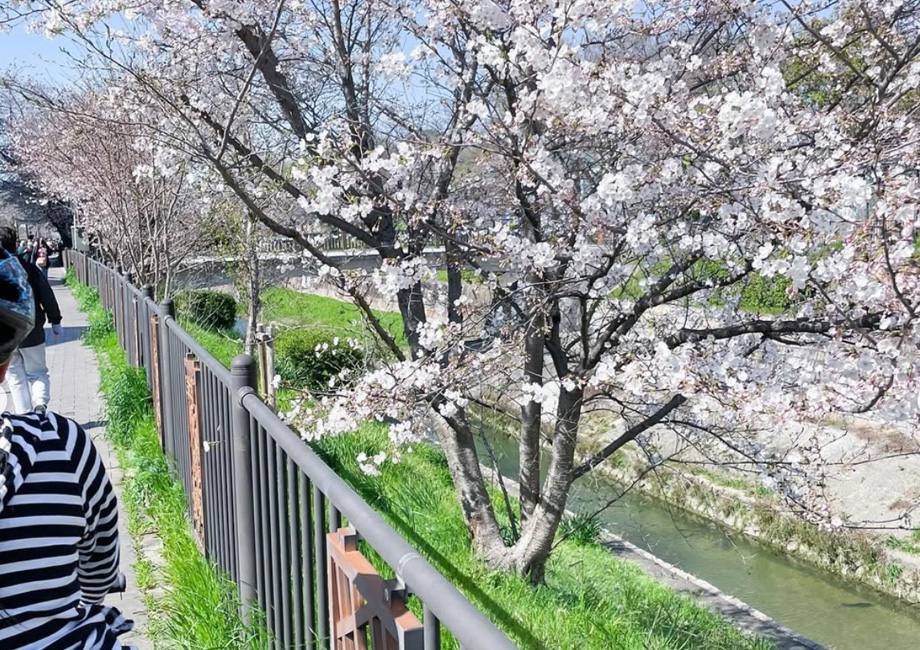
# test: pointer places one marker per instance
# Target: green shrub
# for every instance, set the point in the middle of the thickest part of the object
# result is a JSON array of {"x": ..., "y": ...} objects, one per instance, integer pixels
[
  {"x": 209, "y": 308},
  {"x": 309, "y": 358}
]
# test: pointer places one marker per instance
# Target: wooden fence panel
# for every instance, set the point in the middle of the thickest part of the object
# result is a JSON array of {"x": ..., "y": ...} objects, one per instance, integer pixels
[{"x": 363, "y": 606}]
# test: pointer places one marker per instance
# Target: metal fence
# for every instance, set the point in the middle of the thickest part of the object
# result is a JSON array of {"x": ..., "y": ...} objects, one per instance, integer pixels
[
  {"x": 268, "y": 511},
  {"x": 331, "y": 241}
]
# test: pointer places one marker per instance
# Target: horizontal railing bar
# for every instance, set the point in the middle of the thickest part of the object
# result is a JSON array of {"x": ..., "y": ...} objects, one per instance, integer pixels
[
  {"x": 470, "y": 627},
  {"x": 219, "y": 370}
]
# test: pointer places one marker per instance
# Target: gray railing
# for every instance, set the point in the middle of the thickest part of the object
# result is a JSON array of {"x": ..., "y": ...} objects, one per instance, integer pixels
[
  {"x": 265, "y": 506},
  {"x": 332, "y": 241}
]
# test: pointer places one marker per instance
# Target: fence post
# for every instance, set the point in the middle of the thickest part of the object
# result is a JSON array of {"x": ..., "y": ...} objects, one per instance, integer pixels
[
  {"x": 168, "y": 312},
  {"x": 130, "y": 327},
  {"x": 242, "y": 381},
  {"x": 116, "y": 291},
  {"x": 144, "y": 331},
  {"x": 270, "y": 365}
]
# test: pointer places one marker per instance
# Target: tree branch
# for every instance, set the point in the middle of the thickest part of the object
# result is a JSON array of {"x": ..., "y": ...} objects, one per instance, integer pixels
[{"x": 628, "y": 436}]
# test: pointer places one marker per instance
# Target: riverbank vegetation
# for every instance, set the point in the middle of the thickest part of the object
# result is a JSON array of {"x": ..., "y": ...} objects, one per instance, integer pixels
[
  {"x": 589, "y": 599},
  {"x": 603, "y": 598},
  {"x": 727, "y": 499}
]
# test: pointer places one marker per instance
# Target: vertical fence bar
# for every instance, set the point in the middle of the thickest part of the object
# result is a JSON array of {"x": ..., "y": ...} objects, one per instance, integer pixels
[
  {"x": 335, "y": 518},
  {"x": 297, "y": 558},
  {"x": 256, "y": 458},
  {"x": 432, "y": 630},
  {"x": 128, "y": 316},
  {"x": 146, "y": 292},
  {"x": 156, "y": 375},
  {"x": 264, "y": 528},
  {"x": 243, "y": 379},
  {"x": 284, "y": 535},
  {"x": 274, "y": 616},
  {"x": 168, "y": 311},
  {"x": 306, "y": 547},
  {"x": 322, "y": 585},
  {"x": 116, "y": 307}
]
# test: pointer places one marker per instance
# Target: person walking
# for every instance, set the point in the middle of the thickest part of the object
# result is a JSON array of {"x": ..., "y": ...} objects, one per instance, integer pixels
[
  {"x": 59, "y": 547},
  {"x": 27, "y": 378},
  {"x": 42, "y": 256}
]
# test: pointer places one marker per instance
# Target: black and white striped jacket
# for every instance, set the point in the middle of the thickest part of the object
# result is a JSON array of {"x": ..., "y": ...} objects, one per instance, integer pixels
[{"x": 58, "y": 538}]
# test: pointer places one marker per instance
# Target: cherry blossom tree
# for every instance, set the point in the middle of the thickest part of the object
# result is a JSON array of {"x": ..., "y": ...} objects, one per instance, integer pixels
[
  {"x": 616, "y": 173},
  {"x": 17, "y": 190},
  {"x": 139, "y": 204}
]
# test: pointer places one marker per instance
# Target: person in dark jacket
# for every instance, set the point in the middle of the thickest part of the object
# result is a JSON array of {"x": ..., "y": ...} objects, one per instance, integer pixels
[
  {"x": 27, "y": 378},
  {"x": 42, "y": 256},
  {"x": 59, "y": 551}
]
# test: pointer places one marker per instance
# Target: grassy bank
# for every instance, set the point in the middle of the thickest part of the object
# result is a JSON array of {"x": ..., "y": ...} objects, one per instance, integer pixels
[
  {"x": 724, "y": 499},
  {"x": 293, "y": 308},
  {"x": 198, "y": 607},
  {"x": 590, "y": 600}
]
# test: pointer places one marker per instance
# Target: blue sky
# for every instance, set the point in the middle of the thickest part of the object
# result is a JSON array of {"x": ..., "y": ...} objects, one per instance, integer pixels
[{"x": 34, "y": 55}]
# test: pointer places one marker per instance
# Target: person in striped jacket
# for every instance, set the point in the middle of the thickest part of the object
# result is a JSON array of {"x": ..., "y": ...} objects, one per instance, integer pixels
[{"x": 59, "y": 553}]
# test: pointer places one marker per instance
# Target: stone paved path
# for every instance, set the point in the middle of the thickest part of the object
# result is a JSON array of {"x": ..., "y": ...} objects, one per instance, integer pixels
[{"x": 75, "y": 394}]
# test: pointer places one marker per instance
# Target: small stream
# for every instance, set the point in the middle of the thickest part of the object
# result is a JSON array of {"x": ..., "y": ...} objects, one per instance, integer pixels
[{"x": 814, "y": 604}]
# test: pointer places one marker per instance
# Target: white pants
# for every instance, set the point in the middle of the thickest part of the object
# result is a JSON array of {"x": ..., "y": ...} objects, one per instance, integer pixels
[{"x": 28, "y": 380}]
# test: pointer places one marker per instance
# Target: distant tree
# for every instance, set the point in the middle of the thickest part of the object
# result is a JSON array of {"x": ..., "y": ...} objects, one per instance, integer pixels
[
  {"x": 21, "y": 202},
  {"x": 142, "y": 210}
]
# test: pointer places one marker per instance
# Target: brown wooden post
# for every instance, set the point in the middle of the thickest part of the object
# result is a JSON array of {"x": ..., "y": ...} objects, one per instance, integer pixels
[
  {"x": 270, "y": 366},
  {"x": 155, "y": 353},
  {"x": 193, "y": 399},
  {"x": 263, "y": 367},
  {"x": 363, "y": 604}
]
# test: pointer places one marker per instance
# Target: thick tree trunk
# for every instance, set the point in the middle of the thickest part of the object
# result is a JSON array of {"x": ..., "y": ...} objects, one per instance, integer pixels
[
  {"x": 412, "y": 309},
  {"x": 531, "y": 414},
  {"x": 456, "y": 439},
  {"x": 528, "y": 556},
  {"x": 532, "y": 549}
]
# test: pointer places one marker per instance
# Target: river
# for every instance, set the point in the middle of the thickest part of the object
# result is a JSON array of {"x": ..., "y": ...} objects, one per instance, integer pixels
[{"x": 813, "y": 603}]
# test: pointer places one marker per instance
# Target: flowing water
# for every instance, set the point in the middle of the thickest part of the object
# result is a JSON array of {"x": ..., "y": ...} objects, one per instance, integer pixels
[{"x": 814, "y": 604}]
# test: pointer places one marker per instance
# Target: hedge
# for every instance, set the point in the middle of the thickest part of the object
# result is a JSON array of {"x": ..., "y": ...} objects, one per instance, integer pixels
[{"x": 208, "y": 308}]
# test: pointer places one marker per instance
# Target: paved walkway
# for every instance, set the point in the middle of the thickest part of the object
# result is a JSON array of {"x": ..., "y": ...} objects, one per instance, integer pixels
[{"x": 75, "y": 394}]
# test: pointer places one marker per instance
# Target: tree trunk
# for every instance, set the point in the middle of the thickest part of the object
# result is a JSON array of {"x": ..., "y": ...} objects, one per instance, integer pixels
[
  {"x": 412, "y": 309},
  {"x": 456, "y": 439},
  {"x": 253, "y": 287},
  {"x": 531, "y": 415},
  {"x": 532, "y": 550},
  {"x": 528, "y": 556}
]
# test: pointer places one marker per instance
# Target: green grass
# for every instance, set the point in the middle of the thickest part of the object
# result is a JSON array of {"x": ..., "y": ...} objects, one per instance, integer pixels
[
  {"x": 200, "y": 608},
  {"x": 223, "y": 344},
  {"x": 293, "y": 308},
  {"x": 908, "y": 545},
  {"x": 590, "y": 600},
  {"x": 468, "y": 276}
]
